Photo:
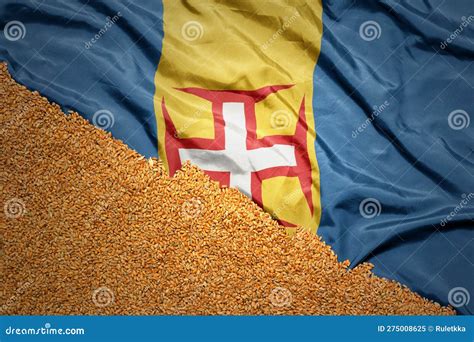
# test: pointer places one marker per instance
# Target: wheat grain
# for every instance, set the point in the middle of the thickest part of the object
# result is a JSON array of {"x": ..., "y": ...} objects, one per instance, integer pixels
[{"x": 105, "y": 231}]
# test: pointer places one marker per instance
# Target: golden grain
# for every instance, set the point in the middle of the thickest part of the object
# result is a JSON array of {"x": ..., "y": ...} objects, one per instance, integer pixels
[{"x": 105, "y": 231}]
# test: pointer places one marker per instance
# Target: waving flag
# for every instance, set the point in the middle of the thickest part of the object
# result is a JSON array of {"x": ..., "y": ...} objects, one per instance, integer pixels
[
  {"x": 241, "y": 108},
  {"x": 349, "y": 118}
]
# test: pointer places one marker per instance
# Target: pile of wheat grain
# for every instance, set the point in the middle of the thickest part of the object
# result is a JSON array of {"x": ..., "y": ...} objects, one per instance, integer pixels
[{"x": 90, "y": 227}]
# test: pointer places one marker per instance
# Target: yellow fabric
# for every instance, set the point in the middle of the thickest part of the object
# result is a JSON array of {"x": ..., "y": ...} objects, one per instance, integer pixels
[{"x": 244, "y": 45}]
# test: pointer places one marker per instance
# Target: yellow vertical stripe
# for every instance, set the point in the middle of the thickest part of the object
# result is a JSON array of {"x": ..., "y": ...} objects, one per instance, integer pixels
[{"x": 244, "y": 45}]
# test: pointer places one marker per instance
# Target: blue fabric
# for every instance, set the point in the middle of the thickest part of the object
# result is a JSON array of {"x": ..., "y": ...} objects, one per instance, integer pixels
[
  {"x": 385, "y": 85},
  {"x": 114, "y": 74},
  {"x": 407, "y": 158}
]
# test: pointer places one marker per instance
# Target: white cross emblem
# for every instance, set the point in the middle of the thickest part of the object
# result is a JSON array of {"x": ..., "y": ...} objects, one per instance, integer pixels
[{"x": 236, "y": 158}]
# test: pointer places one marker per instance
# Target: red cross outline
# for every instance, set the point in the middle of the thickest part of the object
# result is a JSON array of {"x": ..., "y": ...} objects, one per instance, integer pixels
[{"x": 302, "y": 169}]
